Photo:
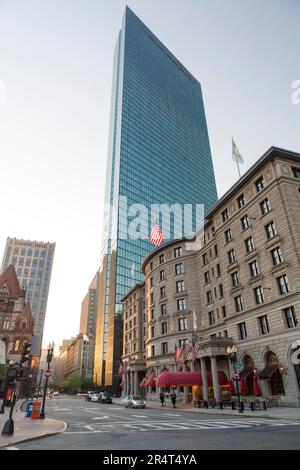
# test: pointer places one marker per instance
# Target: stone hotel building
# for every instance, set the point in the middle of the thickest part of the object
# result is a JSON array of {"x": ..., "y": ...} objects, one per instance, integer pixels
[{"x": 237, "y": 283}]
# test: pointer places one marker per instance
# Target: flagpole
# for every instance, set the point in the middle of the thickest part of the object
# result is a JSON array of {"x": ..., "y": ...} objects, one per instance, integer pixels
[{"x": 238, "y": 167}]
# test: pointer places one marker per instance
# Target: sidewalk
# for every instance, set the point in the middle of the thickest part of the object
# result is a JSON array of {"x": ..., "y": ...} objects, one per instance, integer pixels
[
  {"x": 273, "y": 413},
  {"x": 27, "y": 428}
]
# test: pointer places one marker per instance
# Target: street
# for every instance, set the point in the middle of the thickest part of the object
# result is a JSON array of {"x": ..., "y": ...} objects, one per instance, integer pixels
[{"x": 112, "y": 427}]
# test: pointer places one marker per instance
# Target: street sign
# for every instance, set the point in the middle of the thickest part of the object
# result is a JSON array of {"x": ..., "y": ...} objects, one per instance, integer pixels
[
  {"x": 238, "y": 366},
  {"x": 236, "y": 376},
  {"x": 47, "y": 373}
]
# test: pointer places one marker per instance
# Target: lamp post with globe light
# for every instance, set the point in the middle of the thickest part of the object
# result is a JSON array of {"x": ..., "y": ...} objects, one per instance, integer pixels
[
  {"x": 232, "y": 350},
  {"x": 49, "y": 359}
]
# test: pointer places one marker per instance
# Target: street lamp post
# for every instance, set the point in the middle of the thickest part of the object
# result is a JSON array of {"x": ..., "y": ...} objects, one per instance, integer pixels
[
  {"x": 233, "y": 359},
  {"x": 49, "y": 359}
]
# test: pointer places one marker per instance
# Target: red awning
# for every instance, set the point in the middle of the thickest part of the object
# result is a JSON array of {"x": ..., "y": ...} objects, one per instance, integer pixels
[
  {"x": 151, "y": 381},
  {"x": 142, "y": 384},
  {"x": 187, "y": 378}
]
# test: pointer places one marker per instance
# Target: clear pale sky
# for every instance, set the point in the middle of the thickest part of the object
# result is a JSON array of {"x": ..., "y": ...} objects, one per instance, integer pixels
[{"x": 56, "y": 60}]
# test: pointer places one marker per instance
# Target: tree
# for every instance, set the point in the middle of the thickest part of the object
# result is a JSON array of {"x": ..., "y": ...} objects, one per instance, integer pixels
[
  {"x": 87, "y": 384},
  {"x": 73, "y": 383},
  {"x": 3, "y": 371}
]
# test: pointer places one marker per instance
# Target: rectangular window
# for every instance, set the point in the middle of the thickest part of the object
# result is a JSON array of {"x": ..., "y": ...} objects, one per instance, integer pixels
[
  {"x": 260, "y": 184},
  {"x": 209, "y": 297},
  {"x": 216, "y": 250},
  {"x": 180, "y": 286},
  {"x": 162, "y": 275},
  {"x": 242, "y": 330},
  {"x": 179, "y": 268},
  {"x": 224, "y": 315},
  {"x": 151, "y": 298},
  {"x": 289, "y": 317},
  {"x": 228, "y": 235},
  {"x": 181, "y": 304},
  {"x": 241, "y": 201},
  {"x": 218, "y": 270},
  {"x": 263, "y": 325},
  {"x": 276, "y": 256},
  {"x": 249, "y": 244},
  {"x": 152, "y": 313},
  {"x": 259, "y": 295},
  {"x": 245, "y": 222},
  {"x": 177, "y": 252},
  {"x": 151, "y": 282},
  {"x": 265, "y": 206},
  {"x": 162, "y": 292},
  {"x": 164, "y": 328},
  {"x": 225, "y": 334},
  {"x": 211, "y": 318},
  {"x": 225, "y": 215},
  {"x": 235, "y": 279},
  {"x": 164, "y": 348},
  {"x": 238, "y": 303},
  {"x": 161, "y": 258},
  {"x": 152, "y": 351},
  {"x": 205, "y": 258},
  {"x": 183, "y": 343},
  {"x": 182, "y": 324},
  {"x": 206, "y": 277},
  {"x": 231, "y": 256},
  {"x": 152, "y": 332},
  {"x": 163, "y": 309},
  {"x": 254, "y": 268},
  {"x": 221, "y": 292},
  {"x": 283, "y": 284},
  {"x": 296, "y": 172},
  {"x": 271, "y": 230}
]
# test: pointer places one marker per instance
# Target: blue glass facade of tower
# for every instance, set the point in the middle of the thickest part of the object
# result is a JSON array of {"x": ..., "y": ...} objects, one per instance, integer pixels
[{"x": 159, "y": 153}]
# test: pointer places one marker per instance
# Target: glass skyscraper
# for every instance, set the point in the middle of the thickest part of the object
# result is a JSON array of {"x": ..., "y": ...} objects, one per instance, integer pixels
[{"x": 158, "y": 153}]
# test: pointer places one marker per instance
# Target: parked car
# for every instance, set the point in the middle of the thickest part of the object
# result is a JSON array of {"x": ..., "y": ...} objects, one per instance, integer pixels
[
  {"x": 133, "y": 401},
  {"x": 56, "y": 394},
  {"x": 94, "y": 397},
  {"x": 105, "y": 399}
]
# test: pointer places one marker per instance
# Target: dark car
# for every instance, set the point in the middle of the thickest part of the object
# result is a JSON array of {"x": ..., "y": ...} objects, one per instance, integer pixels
[{"x": 106, "y": 399}]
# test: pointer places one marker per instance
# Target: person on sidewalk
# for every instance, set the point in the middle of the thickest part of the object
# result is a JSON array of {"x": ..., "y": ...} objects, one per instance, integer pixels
[
  {"x": 173, "y": 397},
  {"x": 162, "y": 398}
]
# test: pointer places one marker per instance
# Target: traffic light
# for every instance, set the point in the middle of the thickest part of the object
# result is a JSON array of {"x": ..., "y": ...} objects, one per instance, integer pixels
[{"x": 25, "y": 352}]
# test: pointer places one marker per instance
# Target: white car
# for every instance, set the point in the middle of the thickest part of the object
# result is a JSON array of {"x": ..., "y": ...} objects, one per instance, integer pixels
[
  {"x": 133, "y": 401},
  {"x": 95, "y": 397}
]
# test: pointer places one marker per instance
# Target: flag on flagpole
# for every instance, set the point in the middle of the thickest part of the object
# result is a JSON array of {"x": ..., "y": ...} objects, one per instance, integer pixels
[
  {"x": 86, "y": 338},
  {"x": 178, "y": 352},
  {"x": 194, "y": 320},
  {"x": 156, "y": 235},
  {"x": 195, "y": 350},
  {"x": 236, "y": 156},
  {"x": 120, "y": 371},
  {"x": 186, "y": 352}
]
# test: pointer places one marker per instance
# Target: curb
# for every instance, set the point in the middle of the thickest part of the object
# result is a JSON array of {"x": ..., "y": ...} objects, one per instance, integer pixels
[
  {"x": 221, "y": 412},
  {"x": 38, "y": 437}
]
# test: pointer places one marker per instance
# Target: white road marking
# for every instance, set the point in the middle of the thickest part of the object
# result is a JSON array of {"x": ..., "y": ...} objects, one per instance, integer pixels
[
  {"x": 101, "y": 417},
  {"x": 140, "y": 416},
  {"x": 11, "y": 448},
  {"x": 169, "y": 414},
  {"x": 62, "y": 409}
]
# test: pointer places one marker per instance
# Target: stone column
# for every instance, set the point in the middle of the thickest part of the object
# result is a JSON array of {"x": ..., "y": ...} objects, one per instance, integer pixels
[
  {"x": 204, "y": 378},
  {"x": 194, "y": 369},
  {"x": 186, "y": 389},
  {"x": 124, "y": 391},
  {"x": 136, "y": 384},
  {"x": 215, "y": 378},
  {"x": 230, "y": 368},
  {"x": 132, "y": 382}
]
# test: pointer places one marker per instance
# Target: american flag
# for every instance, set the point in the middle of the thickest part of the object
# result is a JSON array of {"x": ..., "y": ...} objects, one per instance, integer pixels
[
  {"x": 120, "y": 371},
  {"x": 195, "y": 350},
  {"x": 178, "y": 352},
  {"x": 156, "y": 235},
  {"x": 186, "y": 351}
]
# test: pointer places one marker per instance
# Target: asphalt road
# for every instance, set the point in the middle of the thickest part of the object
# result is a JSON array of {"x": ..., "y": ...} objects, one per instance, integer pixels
[{"x": 112, "y": 427}]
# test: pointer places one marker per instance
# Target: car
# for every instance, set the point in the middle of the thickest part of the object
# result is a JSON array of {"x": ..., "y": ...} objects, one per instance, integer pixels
[
  {"x": 105, "y": 399},
  {"x": 94, "y": 397},
  {"x": 133, "y": 401},
  {"x": 56, "y": 394}
]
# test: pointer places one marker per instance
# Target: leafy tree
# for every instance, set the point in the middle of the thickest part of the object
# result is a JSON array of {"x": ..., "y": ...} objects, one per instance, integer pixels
[
  {"x": 3, "y": 370},
  {"x": 87, "y": 384}
]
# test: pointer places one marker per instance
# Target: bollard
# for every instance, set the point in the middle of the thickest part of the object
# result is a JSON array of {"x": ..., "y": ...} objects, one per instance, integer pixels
[
  {"x": 242, "y": 406},
  {"x": 232, "y": 405},
  {"x": 221, "y": 405},
  {"x": 206, "y": 404},
  {"x": 252, "y": 406}
]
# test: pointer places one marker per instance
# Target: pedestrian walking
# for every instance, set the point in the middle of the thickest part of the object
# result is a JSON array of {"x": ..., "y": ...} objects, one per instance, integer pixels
[
  {"x": 173, "y": 398},
  {"x": 162, "y": 398}
]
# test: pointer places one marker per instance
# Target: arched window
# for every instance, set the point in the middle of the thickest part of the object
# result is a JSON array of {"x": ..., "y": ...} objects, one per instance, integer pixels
[{"x": 275, "y": 378}]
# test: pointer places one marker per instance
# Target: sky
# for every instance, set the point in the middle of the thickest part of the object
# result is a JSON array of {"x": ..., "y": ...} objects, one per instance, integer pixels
[{"x": 56, "y": 59}]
